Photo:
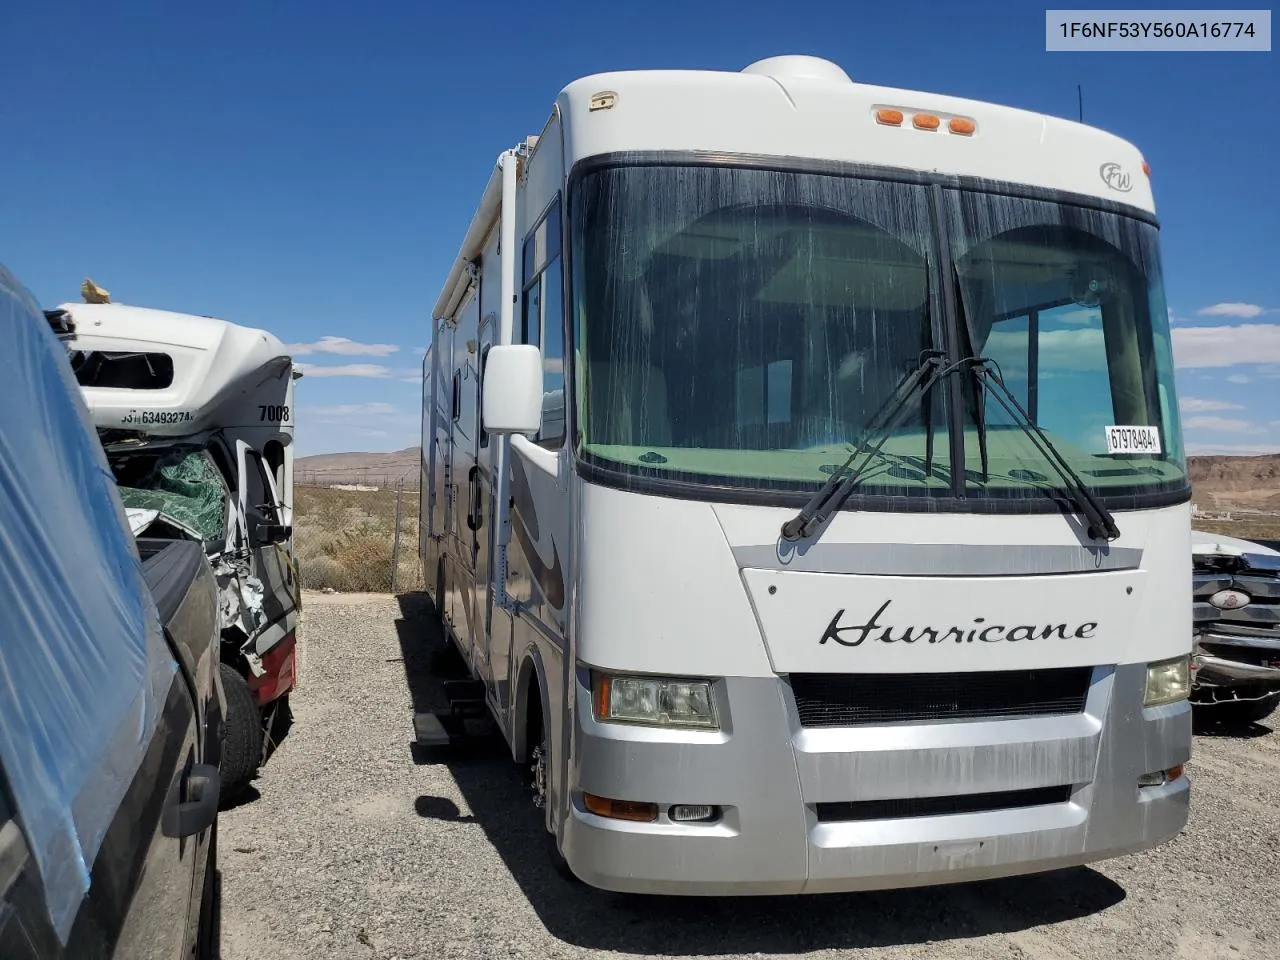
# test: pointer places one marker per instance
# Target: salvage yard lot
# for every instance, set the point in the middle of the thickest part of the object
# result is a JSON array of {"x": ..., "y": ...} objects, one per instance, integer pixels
[{"x": 353, "y": 850}]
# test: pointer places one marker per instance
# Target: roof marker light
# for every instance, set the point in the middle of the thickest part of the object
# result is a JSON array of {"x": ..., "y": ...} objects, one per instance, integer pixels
[
  {"x": 961, "y": 125},
  {"x": 889, "y": 117},
  {"x": 925, "y": 121},
  {"x": 1146, "y": 168}
]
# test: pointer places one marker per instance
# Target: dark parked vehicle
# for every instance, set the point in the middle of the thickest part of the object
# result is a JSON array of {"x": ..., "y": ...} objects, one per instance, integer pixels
[
  {"x": 112, "y": 711},
  {"x": 1236, "y": 664}
]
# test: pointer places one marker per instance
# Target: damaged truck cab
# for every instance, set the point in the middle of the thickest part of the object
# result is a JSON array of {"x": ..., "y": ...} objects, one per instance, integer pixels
[
  {"x": 1236, "y": 616},
  {"x": 196, "y": 417}
]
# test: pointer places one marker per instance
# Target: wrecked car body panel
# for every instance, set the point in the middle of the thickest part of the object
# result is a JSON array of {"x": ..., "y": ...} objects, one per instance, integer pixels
[{"x": 1236, "y": 616}]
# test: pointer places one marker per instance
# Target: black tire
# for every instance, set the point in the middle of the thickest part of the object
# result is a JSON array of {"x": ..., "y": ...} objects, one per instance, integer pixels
[
  {"x": 209, "y": 933},
  {"x": 1241, "y": 713},
  {"x": 538, "y": 736},
  {"x": 242, "y": 736}
]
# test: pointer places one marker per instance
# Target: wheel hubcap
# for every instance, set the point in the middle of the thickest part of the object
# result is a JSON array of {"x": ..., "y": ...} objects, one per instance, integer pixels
[{"x": 539, "y": 769}]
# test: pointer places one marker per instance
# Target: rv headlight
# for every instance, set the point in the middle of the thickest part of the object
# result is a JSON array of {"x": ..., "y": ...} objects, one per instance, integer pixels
[
  {"x": 1167, "y": 681},
  {"x": 657, "y": 701}
]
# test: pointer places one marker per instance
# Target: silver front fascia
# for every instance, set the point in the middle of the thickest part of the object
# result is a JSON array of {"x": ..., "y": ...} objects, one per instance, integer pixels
[{"x": 768, "y": 774}]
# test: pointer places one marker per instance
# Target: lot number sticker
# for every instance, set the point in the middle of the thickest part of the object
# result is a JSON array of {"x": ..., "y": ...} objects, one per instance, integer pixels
[{"x": 1133, "y": 439}]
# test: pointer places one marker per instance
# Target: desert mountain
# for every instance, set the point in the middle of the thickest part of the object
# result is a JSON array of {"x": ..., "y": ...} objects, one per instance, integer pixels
[{"x": 1221, "y": 483}]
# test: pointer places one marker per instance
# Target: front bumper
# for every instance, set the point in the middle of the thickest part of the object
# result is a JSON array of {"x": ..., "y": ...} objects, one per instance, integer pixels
[
  {"x": 1224, "y": 665},
  {"x": 775, "y": 782}
]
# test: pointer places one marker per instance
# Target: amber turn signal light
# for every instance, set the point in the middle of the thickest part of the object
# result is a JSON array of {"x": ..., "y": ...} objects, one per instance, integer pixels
[{"x": 620, "y": 809}]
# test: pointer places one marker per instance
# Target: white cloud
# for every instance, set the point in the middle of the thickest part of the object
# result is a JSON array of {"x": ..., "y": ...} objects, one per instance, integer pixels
[
  {"x": 371, "y": 370},
  {"x": 1060, "y": 351},
  {"x": 1199, "y": 405},
  {"x": 344, "y": 347},
  {"x": 352, "y": 410},
  {"x": 1225, "y": 424},
  {"x": 1244, "y": 310},
  {"x": 1080, "y": 317},
  {"x": 1238, "y": 378},
  {"x": 1227, "y": 346}
]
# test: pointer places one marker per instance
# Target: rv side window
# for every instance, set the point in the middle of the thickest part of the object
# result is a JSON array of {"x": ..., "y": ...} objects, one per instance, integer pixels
[
  {"x": 552, "y": 432},
  {"x": 484, "y": 360},
  {"x": 542, "y": 318},
  {"x": 122, "y": 370},
  {"x": 530, "y": 330}
]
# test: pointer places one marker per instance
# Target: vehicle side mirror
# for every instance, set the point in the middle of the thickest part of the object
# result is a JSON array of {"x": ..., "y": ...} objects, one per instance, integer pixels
[
  {"x": 274, "y": 532},
  {"x": 512, "y": 401}
]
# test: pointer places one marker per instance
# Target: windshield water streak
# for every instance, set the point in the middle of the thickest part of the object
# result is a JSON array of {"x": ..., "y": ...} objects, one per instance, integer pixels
[{"x": 738, "y": 328}]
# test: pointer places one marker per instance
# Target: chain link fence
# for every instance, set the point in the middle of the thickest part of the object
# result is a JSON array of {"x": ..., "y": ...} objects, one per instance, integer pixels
[{"x": 357, "y": 536}]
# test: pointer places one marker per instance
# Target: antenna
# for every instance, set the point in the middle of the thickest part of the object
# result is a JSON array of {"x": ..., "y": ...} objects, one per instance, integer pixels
[{"x": 1080, "y": 102}]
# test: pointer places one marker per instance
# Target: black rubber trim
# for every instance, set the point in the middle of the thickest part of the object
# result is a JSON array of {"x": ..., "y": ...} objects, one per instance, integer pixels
[
  {"x": 907, "y": 807},
  {"x": 852, "y": 699},
  {"x": 638, "y": 480}
]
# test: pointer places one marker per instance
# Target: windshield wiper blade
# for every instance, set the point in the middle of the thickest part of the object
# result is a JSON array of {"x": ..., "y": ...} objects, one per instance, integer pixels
[
  {"x": 882, "y": 424},
  {"x": 1102, "y": 525}
]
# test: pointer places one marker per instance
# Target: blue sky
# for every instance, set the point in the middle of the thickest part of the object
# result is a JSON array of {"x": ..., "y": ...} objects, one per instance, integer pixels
[{"x": 310, "y": 167}]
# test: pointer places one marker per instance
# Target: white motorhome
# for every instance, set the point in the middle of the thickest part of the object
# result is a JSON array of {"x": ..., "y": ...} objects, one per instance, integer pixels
[
  {"x": 804, "y": 487},
  {"x": 197, "y": 418}
]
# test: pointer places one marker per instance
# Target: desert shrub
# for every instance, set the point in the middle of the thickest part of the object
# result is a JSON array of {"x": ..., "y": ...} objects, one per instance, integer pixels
[
  {"x": 344, "y": 539},
  {"x": 320, "y": 572}
]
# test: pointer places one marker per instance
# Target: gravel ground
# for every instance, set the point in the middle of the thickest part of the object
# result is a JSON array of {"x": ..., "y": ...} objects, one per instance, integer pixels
[{"x": 353, "y": 850}]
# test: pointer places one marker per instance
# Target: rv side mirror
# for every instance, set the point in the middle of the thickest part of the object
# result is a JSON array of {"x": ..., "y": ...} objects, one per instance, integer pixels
[{"x": 512, "y": 400}]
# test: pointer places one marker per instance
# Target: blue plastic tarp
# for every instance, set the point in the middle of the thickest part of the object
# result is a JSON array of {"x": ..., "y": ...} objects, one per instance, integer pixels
[{"x": 84, "y": 668}]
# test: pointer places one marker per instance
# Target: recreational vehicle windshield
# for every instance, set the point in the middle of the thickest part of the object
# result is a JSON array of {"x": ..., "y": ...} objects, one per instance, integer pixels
[{"x": 804, "y": 487}]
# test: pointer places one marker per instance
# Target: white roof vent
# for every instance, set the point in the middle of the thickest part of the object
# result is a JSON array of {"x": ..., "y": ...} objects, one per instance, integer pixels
[{"x": 798, "y": 67}]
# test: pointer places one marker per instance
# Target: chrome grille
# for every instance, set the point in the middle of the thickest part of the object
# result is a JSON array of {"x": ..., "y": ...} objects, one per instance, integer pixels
[{"x": 1257, "y": 576}]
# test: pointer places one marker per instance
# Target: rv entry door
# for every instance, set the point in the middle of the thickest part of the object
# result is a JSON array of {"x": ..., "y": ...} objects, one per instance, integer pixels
[{"x": 482, "y": 506}]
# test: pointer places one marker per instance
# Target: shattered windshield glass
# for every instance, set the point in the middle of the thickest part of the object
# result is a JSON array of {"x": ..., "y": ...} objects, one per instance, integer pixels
[{"x": 183, "y": 484}]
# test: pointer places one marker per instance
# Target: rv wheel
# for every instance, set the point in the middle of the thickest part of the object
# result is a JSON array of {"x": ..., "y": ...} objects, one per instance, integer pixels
[{"x": 541, "y": 757}]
